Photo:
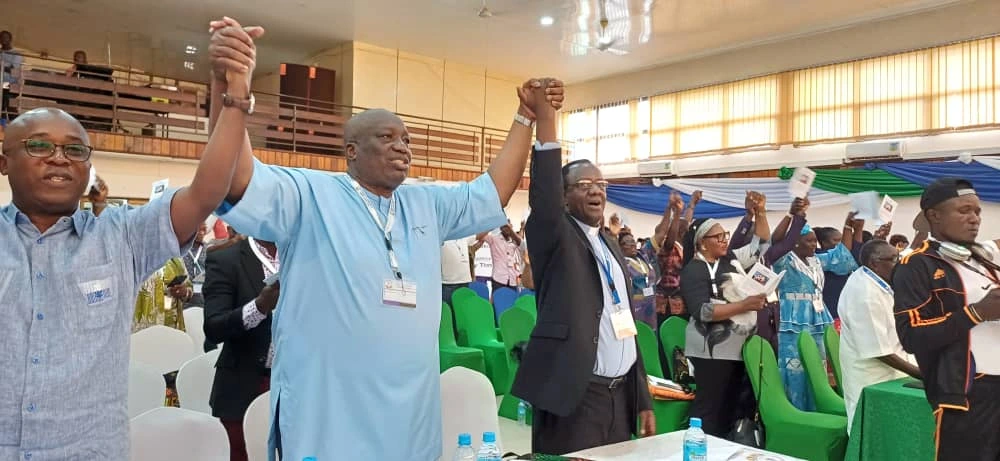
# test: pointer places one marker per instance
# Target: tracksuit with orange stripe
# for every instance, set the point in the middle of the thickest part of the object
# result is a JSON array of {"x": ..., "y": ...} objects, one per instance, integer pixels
[{"x": 934, "y": 322}]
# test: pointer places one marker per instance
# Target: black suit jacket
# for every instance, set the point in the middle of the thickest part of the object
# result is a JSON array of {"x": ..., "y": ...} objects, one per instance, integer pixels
[
  {"x": 234, "y": 277},
  {"x": 558, "y": 364}
]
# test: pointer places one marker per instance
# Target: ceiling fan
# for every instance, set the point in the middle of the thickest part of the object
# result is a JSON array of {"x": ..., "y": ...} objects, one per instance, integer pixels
[{"x": 605, "y": 42}]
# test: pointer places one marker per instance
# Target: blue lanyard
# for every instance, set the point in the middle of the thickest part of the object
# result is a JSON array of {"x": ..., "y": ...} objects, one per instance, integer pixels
[
  {"x": 606, "y": 266},
  {"x": 878, "y": 280}
]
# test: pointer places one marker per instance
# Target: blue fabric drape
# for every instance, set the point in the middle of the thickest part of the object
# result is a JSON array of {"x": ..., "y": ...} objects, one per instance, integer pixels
[
  {"x": 652, "y": 199},
  {"x": 984, "y": 178}
]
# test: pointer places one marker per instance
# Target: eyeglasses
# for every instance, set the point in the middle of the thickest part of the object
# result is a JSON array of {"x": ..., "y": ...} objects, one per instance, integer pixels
[
  {"x": 722, "y": 236},
  {"x": 894, "y": 259},
  {"x": 40, "y": 148},
  {"x": 586, "y": 184}
]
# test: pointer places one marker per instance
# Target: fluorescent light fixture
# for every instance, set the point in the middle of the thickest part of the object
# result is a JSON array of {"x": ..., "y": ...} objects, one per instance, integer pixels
[
  {"x": 191, "y": 49},
  {"x": 547, "y": 20}
]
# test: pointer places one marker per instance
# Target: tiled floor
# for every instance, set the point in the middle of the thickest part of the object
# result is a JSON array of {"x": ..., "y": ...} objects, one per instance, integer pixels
[{"x": 514, "y": 438}]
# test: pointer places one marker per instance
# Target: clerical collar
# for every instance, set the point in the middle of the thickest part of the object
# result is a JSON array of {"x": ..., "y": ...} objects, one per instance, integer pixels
[{"x": 587, "y": 228}]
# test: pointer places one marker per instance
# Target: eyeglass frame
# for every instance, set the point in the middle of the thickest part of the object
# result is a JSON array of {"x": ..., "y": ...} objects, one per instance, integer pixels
[
  {"x": 587, "y": 184},
  {"x": 724, "y": 234},
  {"x": 55, "y": 147}
]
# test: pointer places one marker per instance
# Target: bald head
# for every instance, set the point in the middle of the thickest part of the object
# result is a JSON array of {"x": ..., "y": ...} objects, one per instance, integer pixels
[
  {"x": 377, "y": 146},
  {"x": 364, "y": 123},
  {"x": 36, "y": 121}
]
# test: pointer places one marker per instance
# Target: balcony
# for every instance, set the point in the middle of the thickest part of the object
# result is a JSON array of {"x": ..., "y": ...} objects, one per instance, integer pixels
[{"x": 136, "y": 113}]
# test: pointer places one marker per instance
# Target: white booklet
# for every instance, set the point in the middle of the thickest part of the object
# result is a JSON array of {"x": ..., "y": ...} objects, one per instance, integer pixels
[
  {"x": 759, "y": 280},
  {"x": 887, "y": 210},
  {"x": 801, "y": 182},
  {"x": 866, "y": 204}
]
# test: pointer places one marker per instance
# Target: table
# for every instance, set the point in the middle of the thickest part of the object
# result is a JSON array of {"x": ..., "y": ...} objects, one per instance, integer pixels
[
  {"x": 892, "y": 422},
  {"x": 663, "y": 447}
]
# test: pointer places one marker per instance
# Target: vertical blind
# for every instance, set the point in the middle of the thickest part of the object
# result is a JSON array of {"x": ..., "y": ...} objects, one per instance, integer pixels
[{"x": 943, "y": 88}]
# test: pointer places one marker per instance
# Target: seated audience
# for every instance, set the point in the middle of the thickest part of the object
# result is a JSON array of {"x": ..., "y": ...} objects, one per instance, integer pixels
[
  {"x": 238, "y": 311},
  {"x": 870, "y": 352},
  {"x": 79, "y": 57}
]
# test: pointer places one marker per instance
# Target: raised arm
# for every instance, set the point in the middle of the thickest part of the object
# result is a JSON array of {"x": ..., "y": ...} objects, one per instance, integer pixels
[
  {"x": 741, "y": 236},
  {"x": 853, "y": 228},
  {"x": 787, "y": 233},
  {"x": 211, "y": 184},
  {"x": 762, "y": 228},
  {"x": 688, "y": 216},
  {"x": 674, "y": 230},
  {"x": 663, "y": 227},
  {"x": 508, "y": 168}
]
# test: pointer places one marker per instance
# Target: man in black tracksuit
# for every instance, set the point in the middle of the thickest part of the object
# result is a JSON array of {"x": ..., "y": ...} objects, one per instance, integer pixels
[{"x": 947, "y": 303}]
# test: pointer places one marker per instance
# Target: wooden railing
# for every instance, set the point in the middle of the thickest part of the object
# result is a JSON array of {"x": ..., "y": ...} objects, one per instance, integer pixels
[{"x": 113, "y": 103}]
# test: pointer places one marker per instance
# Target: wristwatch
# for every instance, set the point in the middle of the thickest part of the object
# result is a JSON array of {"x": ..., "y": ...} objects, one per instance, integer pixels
[
  {"x": 246, "y": 105},
  {"x": 523, "y": 120}
]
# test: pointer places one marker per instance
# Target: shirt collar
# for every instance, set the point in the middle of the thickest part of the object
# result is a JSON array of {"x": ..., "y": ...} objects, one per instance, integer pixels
[
  {"x": 80, "y": 217},
  {"x": 587, "y": 228}
]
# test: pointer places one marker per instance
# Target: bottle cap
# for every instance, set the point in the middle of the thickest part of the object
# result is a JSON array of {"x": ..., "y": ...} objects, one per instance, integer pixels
[
  {"x": 465, "y": 440},
  {"x": 696, "y": 422},
  {"x": 489, "y": 437}
]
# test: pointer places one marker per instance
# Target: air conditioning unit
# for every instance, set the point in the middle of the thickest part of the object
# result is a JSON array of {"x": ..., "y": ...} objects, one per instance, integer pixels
[
  {"x": 656, "y": 168},
  {"x": 873, "y": 151}
]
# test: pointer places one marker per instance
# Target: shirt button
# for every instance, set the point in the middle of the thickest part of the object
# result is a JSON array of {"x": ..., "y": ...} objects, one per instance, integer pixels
[
  {"x": 40, "y": 276},
  {"x": 40, "y": 316},
  {"x": 27, "y": 455},
  {"x": 35, "y": 360},
  {"x": 31, "y": 408},
  {"x": 39, "y": 241}
]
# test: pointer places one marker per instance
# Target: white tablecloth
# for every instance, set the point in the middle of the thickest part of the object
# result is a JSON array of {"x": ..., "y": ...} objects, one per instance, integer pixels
[{"x": 667, "y": 447}]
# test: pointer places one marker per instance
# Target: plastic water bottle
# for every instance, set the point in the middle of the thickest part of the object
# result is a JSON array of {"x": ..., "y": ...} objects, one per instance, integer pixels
[
  {"x": 489, "y": 451},
  {"x": 695, "y": 442},
  {"x": 522, "y": 413},
  {"x": 464, "y": 451}
]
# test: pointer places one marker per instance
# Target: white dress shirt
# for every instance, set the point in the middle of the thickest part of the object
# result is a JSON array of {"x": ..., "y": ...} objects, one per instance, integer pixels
[
  {"x": 455, "y": 267},
  {"x": 984, "y": 339},
  {"x": 614, "y": 356},
  {"x": 867, "y": 332}
]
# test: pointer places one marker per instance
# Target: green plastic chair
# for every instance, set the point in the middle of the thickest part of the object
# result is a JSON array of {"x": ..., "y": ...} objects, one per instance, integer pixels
[
  {"x": 790, "y": 431},
  {"x": 516, "y": 324},
  {"x": 528, "y": 303},
  {"x": 474, "y": 318},
  {"x": 671, "y": 415},
  {"x": 672, "y": 334},
  {"x": 453, "y": 355},
  {"x": 462, "y": 293},
  {"x": 831, "y": 339},
  {"x": 647, "y": 344},
  {"x": 827, "y": 401}
]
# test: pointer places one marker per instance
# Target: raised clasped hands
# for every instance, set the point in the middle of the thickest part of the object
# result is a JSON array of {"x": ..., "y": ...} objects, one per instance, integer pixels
[
  {"x": 540, "y": 97},
  {"x": 233, "y": 54}
]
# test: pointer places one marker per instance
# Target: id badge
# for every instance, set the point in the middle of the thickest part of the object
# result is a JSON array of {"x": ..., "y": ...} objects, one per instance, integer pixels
[
  {"x": 399, "y": 293},
  {"x": 623, "y": 324},
  {"x": 648, "y": 291},
  {"x": 818, "y": 306}
]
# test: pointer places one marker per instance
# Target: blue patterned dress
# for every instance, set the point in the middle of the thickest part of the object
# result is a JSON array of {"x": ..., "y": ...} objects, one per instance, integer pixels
[{"x": 802, "y": 309}]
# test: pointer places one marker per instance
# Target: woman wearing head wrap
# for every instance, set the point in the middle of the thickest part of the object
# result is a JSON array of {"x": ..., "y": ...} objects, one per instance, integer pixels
[
  {"x": 801, "y": 296},
  {"x": 718, "y": 326}
]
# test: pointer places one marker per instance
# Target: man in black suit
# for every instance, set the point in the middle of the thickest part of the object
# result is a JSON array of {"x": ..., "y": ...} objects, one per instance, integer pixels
[
  {"x": 582, "y": 371},
  {"x": 238, "y": 310}
]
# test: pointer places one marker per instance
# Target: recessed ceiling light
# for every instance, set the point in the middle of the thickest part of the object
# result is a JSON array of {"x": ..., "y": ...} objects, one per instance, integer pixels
[
  {"x": 547, "y": 20},
  {"x": 191, "y": 49},
  {"x": 188, "y": 65}
]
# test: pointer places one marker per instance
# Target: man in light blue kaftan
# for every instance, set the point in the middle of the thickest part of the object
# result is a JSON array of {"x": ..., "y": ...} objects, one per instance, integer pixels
[
  {"x": 802, "y": 306},
  {"x": 355, "y": 373}
]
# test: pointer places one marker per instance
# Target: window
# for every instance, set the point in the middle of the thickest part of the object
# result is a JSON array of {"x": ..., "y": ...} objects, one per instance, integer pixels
[
  {"x": 613, "y": 133},
  {"x": 823, "y": 103},
  {"x": 893, "y": 94},
  {"x": 963, "y": 84}
]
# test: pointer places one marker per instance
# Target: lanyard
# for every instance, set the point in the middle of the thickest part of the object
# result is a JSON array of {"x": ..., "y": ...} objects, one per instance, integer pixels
[
  {"x": 642, "y": 267},
  {"x": 972, "y": 268},
  {"x": 809, "y": 270},
  {"x": 268, "y": 262},
  {"x": 386, "y": 228},
  {"x": 606, "y": 266},
  {"x": 878, "y": 280},
  {"x": 712, "y": 269},
  {"x": 196, "y": 259}
]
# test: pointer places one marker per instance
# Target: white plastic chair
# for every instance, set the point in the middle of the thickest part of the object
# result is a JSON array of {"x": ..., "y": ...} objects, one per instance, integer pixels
[
  {"x": 146, "y": 388},
  {"x": 468, "y": 404},
  {"x": 194, "y": 326},
  {"x": 257, "y": 427},
  {"x": 162, "y": 348},
  {"x": 170, "y": 434},
  {"x": 194, "y": 382}
]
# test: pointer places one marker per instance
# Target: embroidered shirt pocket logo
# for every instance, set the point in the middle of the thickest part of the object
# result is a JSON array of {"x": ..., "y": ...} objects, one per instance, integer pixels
[
  {"x": 938, "y": 274},
  {"x": 96, "y": 291}
]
